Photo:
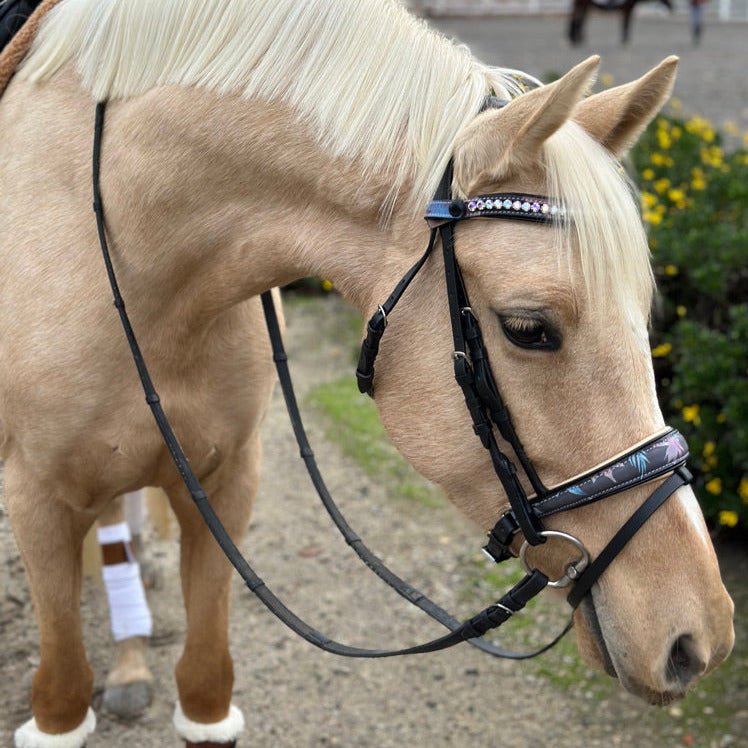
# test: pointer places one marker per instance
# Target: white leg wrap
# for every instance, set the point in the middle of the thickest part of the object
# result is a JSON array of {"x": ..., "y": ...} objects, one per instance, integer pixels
[
  {"x": 134, "y": 508},
  {"x": 128, "y": 607},
  {"x": 119, "y": 533},
  {"x": 217, "y": 732},
  {"x": 30, "y": 736}
]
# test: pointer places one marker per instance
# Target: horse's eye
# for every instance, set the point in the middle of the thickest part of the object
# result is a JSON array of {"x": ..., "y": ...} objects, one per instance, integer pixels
[{"x": 530, "y": 332}]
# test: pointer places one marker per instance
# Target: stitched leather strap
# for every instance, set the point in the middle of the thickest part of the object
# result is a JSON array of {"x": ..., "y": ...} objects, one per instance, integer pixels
[
  {"x": 377, "y": 324},
  {"x": 659, "y": 456},
  {"x": 488, "y": 619},
  {"x": 404, "y": 589},
  {"x": 594, "y": 571}
]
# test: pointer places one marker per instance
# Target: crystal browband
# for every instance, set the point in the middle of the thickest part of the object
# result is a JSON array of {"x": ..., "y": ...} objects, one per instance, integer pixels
[{"x": 526, "y": 207}]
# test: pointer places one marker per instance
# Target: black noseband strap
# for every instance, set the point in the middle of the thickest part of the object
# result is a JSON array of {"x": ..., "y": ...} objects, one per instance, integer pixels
[{"x": 660, "y": 455}]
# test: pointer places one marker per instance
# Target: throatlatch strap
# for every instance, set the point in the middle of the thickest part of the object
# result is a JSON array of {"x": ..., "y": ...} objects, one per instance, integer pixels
[
  {"x": 377, "y": 324},
  {"x": 490, "y": 618}
]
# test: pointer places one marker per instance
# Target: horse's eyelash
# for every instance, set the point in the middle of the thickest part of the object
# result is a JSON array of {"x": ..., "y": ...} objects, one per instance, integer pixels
[{"x": 522, "y": 324}]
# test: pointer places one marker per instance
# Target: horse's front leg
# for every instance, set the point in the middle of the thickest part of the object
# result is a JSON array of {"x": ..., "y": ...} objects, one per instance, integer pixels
[
  {"x": 50, "y": 535},
  {"x": 205, "y": 674}
]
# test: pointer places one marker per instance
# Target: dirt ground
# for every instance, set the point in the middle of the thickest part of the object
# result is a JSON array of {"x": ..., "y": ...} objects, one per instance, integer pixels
[{"x": 295, "y": 695}]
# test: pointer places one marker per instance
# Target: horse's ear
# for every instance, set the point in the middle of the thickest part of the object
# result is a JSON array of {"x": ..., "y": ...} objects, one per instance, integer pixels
[
  {"x": 504, "y": 142},
  {"x": 618, "y": 116}
]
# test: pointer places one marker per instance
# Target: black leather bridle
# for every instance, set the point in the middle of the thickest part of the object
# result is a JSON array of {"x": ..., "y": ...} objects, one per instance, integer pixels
[{"x": 664, "y": 453}]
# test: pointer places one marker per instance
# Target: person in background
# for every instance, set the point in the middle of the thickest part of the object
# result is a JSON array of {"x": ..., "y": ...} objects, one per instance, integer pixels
[{"x": 697, "y": 20}]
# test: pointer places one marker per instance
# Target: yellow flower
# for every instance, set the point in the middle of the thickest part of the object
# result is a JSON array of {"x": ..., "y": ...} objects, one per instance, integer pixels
[
  {"x": 680, "y": 310},
  {"x": 671, "y": 270},
  {"x": 663, "y": 139},
  {"x": 651, "y": 217},
  {"x": 677, "y": 197},
  {"x": 745, "y": 139},
  {"x": 649, "y": 200},
  {"x": 743, "y": 489},
  {"x": 727, "y": 518},
  {"x": 661, "y": 185},
  {"x": 676, "y": 132},
  {"x": 698, "y": 183},
  {"x": 709, "y": 448},
  {"x": 701, "y": 127},
  {"x": 661, "y": 350},
  {"x": 657, "y": 158},
  {"x": 676, "y": 104},
  {"x": 714, "y": 486},
  {"x": 648, "y": 174},
  {"x": 712, "y": 156},
  {"x": 327, "y": 285},
  {"x": 606, "y": 80},
  {"x": 721, "y": 418},
  {"x": 691, "y": 414}
]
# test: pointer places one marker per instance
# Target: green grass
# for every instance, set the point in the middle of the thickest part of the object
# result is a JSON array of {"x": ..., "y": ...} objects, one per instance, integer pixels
[{"x": 352, "y": 422}]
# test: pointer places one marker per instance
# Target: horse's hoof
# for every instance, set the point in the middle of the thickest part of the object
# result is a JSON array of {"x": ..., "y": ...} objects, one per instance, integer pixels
[{"x": 129, "y": 700}]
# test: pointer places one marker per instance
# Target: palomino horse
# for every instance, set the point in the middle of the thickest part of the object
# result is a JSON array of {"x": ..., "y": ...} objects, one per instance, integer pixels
[
  {"x": 580, "y": 8},
  {"x": 249, "y": 144}
]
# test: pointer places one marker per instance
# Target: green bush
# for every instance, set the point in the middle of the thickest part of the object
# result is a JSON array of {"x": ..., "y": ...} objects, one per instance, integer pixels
[{"x": 695, "y": 201}]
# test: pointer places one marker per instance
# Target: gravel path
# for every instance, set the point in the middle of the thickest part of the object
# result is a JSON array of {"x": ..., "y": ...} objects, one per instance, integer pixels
[
  {"x": 294, "y": 695},
  {"x": 711, "y": 78}
]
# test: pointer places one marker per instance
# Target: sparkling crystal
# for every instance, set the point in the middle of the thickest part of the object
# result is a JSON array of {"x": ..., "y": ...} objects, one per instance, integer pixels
[
  {"x": 535, "y": 207},
  {"x": 489, "y": 204},
  {"x": 481, "y": 205},
  {"x": 472, "y": 205},
  {"x": 545, "y": 208},
  {"x": 507, "y": 203},
  {"x": 516, "y": 205}
]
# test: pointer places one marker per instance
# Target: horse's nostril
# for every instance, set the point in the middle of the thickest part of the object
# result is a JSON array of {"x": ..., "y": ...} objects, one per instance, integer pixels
[{"x": 684, "y": 663}]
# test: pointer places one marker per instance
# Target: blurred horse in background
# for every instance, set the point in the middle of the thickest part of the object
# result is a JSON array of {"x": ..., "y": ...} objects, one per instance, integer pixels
[{"x": 580, "y": 8}]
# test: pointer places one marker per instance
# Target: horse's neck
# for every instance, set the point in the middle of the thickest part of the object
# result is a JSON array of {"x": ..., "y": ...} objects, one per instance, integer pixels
[{"x": 234, "y": 198}]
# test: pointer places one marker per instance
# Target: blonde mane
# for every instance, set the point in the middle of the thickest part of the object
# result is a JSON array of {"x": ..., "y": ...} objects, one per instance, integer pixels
[
  {"x": 338, "y": 63},
  {"x": 606, "y": 226},
  {"x": 374, "y": 83}
]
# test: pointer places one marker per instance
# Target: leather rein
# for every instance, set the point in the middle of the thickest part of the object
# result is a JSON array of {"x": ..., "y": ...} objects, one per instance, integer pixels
[{"x": 664, "y": 453}]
